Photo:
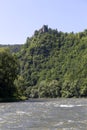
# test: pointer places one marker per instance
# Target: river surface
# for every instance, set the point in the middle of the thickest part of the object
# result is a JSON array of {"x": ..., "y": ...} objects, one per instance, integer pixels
[{"x": 47, "y": 114}]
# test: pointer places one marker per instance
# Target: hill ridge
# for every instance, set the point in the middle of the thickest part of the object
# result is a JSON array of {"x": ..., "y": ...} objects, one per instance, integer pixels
[{"x": 53, "y": 64}]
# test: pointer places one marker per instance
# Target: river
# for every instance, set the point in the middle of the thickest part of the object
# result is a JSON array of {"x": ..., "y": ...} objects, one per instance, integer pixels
[{"x": 47, "y": 114}]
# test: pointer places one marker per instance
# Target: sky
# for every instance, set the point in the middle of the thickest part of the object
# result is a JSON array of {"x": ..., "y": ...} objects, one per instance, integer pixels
[{"x": 20, "y": 18}]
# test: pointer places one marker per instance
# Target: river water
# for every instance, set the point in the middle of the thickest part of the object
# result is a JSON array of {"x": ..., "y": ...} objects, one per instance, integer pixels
[{"x": 47, "y": 114}]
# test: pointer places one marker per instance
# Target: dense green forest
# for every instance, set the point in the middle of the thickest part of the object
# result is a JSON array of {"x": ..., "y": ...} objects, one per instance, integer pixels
[
  {"x": 8, "y": 73},
  {"x": 52, "y": 64}
]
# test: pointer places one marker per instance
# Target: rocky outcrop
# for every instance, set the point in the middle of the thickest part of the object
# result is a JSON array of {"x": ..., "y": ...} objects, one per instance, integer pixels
[{"x": 44, "y": 29}]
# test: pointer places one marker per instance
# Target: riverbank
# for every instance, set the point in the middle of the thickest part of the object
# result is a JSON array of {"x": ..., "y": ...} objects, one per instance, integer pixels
[{"x": 13, "y": 99}]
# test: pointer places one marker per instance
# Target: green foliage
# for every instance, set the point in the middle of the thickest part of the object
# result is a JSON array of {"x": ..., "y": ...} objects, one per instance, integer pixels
[
  {"x": 8, "y": 73},
  {"x": 53, "y": 64}
]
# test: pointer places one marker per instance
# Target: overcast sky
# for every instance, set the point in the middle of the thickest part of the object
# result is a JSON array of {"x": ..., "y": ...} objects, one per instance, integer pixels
[{"x": 20, "y": 18}]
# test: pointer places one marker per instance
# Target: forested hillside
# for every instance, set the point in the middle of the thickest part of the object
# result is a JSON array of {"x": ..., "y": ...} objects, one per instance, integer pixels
[
  {"x": 50, "y": 64},
  {"x": 53, "y": 64},
  {"x": 13, "y": 48}
]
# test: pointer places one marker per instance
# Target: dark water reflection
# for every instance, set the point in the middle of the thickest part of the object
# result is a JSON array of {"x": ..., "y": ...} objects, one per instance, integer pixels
[{"x": 47, "y": 114}]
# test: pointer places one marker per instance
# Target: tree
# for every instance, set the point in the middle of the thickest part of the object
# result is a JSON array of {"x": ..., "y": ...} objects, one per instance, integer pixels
[{"x": 8, "y": 73}]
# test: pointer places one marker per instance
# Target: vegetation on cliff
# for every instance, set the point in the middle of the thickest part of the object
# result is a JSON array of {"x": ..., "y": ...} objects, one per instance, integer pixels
[{"x": 52, "y": 64}]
